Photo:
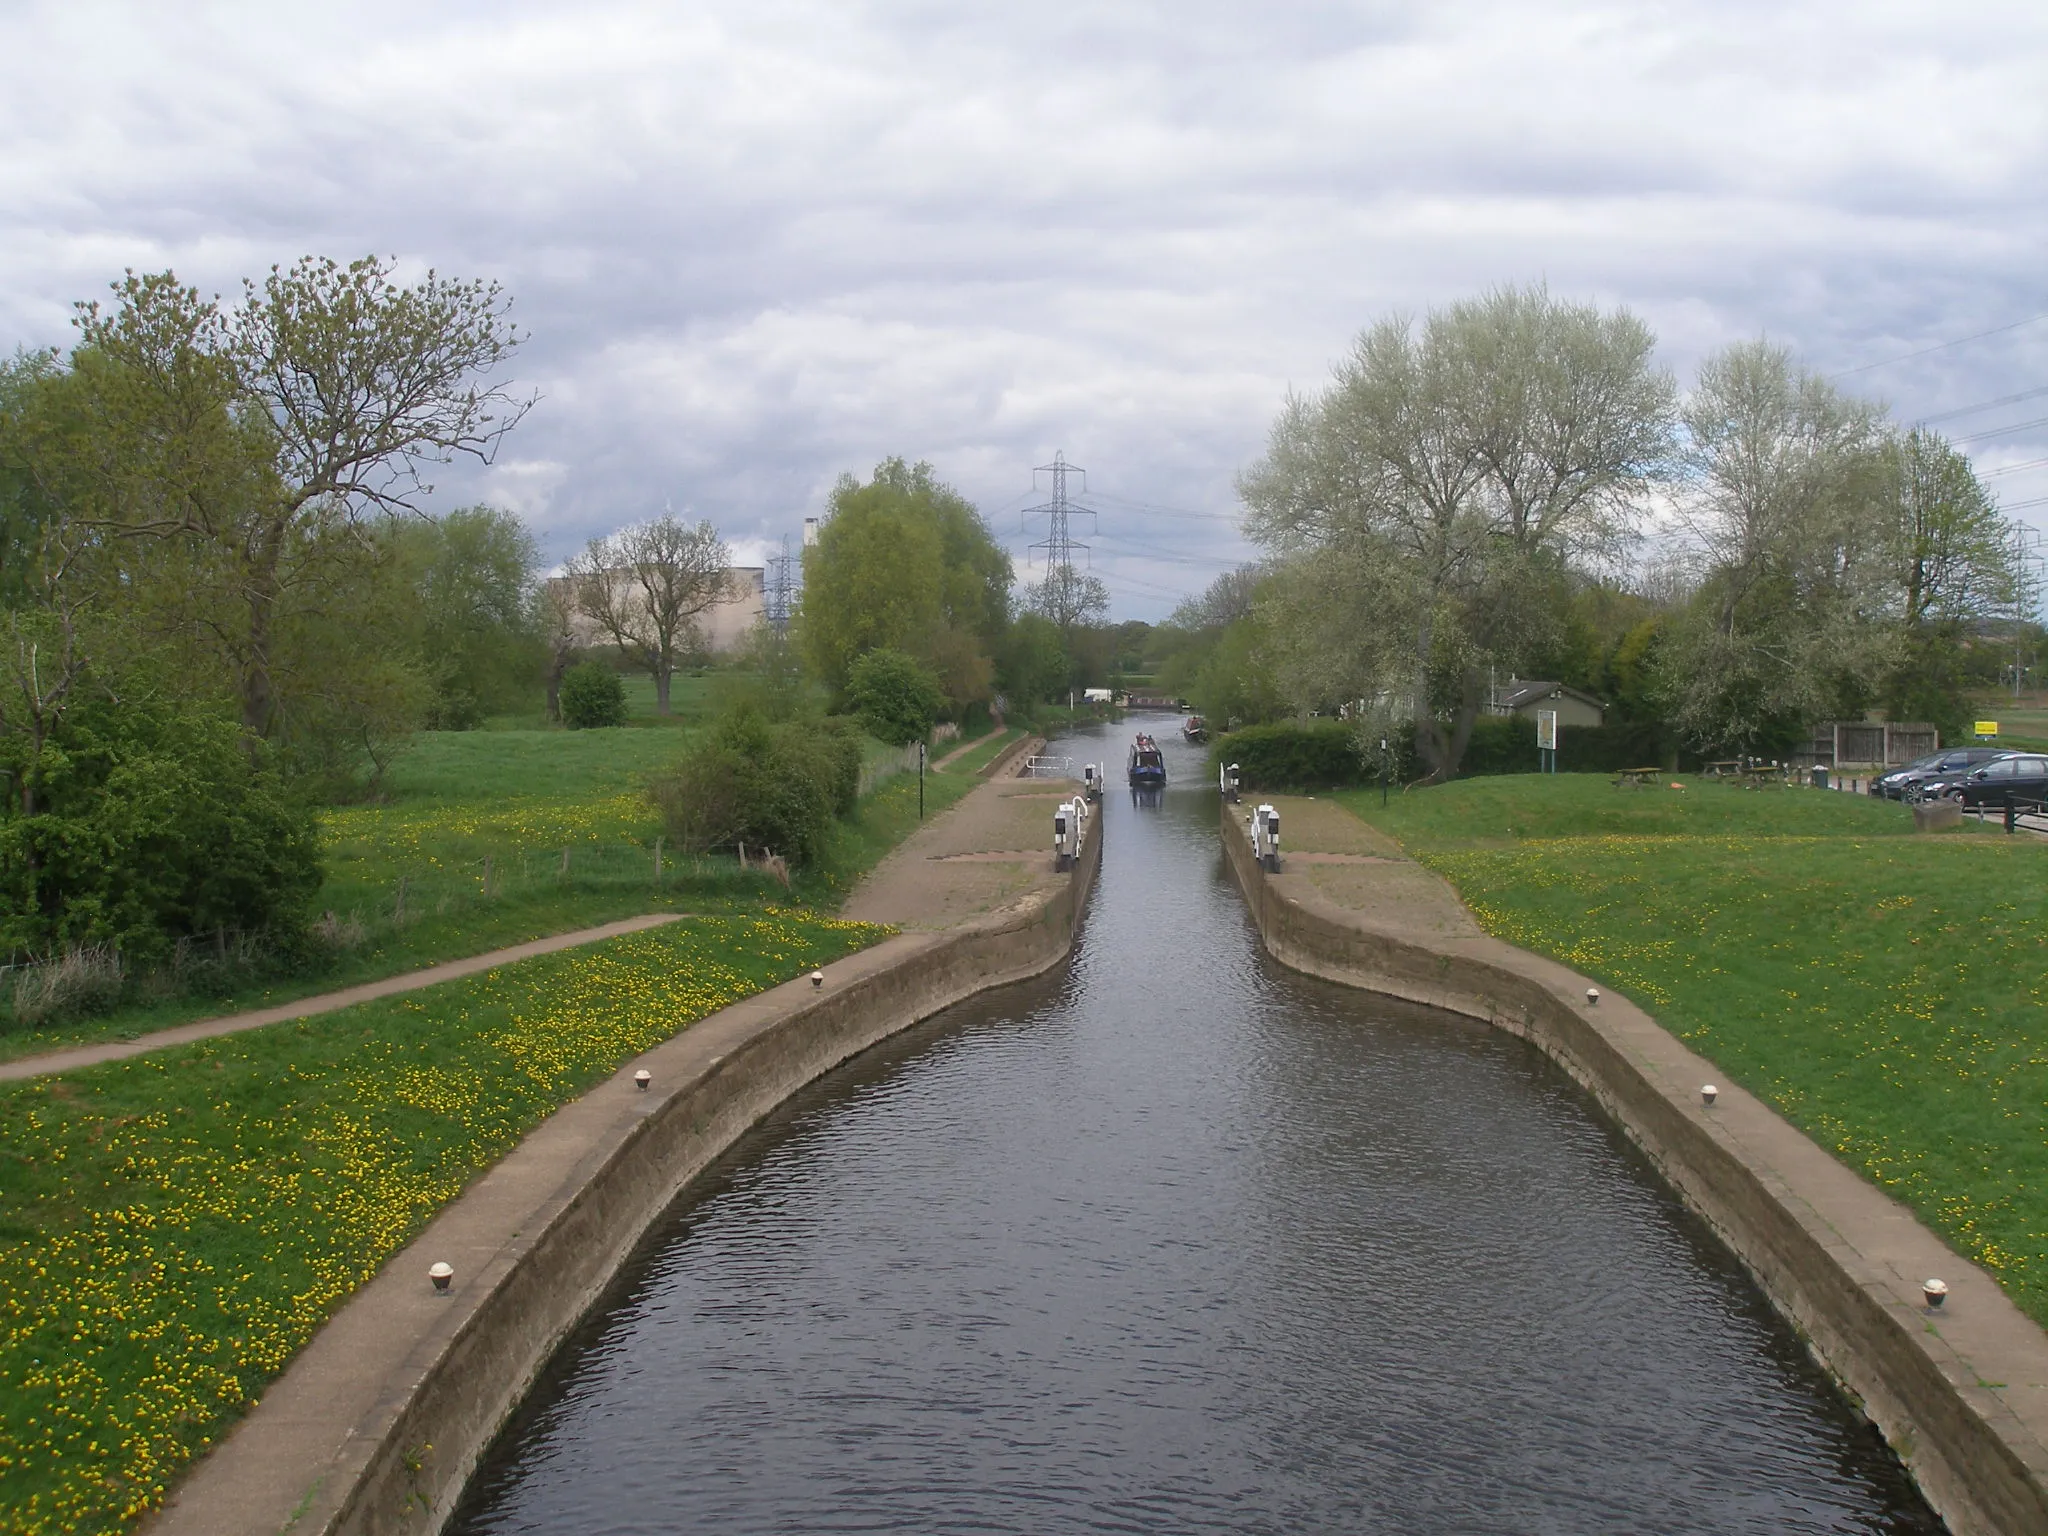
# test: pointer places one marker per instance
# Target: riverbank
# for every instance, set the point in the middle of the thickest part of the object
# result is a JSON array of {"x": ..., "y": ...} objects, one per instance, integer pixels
[
  {"x": 1962, "y": 1395},
  {"x": 378, "y": 1421}
]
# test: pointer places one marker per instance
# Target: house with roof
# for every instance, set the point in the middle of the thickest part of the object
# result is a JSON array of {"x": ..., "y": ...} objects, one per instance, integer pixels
[{"x": 1525, "y": 698}]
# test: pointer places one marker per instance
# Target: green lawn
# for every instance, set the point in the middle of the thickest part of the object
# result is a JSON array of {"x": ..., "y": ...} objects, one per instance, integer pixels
[
  {"x": 553, "y": 819},
  {"x": 1883, "y": 990},
  {"x": 174, "y": 1227},
  {"x": 970, "y": 763}
]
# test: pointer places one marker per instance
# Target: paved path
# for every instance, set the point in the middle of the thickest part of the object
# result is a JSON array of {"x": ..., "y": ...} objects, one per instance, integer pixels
[
  {"x": 992, "y": 848},
  {"x": 325, "y": 1002},
  {"x": 1358, "y": 867}
]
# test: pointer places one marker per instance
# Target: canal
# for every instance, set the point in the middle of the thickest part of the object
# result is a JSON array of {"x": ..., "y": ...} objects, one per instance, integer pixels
[{"x": 1175, "y": 1240}]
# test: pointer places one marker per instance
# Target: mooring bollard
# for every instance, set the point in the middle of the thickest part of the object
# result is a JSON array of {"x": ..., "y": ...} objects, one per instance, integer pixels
[
  {"x": 642, "y": 1078},
  {"x": 1592, "y": 997},
  {"x": 1708, "y": 1094},
  {"x": 1936, "y": 1293},
  {"x": 442, "y": 1275}
]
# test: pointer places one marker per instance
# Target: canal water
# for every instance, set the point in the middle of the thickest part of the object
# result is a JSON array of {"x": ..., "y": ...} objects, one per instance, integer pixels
[{"x": 1174, "y": 1240}]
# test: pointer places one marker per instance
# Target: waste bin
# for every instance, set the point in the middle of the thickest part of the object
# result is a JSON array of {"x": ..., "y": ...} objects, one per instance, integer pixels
[{"x": 1820, "y": 777}]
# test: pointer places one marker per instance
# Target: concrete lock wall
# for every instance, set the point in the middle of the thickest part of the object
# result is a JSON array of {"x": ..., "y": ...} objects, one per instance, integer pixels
[
  {"x": 1962, "y": 1402},
  {"x": 546, "y": 1230}
]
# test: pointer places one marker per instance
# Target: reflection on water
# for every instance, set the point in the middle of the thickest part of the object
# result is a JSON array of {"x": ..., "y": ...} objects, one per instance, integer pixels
[{"x": 1174, "y": 1240}]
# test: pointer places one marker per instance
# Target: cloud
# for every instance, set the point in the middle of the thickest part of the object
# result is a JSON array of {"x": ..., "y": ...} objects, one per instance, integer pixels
[{"x": 761, "y": 244}]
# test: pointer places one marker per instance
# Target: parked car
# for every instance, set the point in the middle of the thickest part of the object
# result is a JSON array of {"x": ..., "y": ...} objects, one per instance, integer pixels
[
  {"x": 2022, "y": 776},
  {"x": 1900, "y": 782}
]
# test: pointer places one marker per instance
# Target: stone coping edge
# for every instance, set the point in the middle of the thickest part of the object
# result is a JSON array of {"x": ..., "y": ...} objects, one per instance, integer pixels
[
  {"x": 995, "y": 766},
  {"x": 1961, "y": 1395},
  {"x": 377, "y": 1425}
]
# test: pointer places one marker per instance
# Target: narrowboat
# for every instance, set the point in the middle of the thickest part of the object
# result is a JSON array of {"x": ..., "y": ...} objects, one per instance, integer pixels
[{"x": 1147, "y": 767}]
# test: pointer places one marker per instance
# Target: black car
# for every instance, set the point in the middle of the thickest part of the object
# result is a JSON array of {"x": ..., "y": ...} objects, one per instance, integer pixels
[
  {"x": 2021, "y": 776},
  {"x": 1900, "y": 783}
]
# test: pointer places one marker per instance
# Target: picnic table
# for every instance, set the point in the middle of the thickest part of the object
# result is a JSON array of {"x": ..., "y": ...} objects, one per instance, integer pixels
[
  {"x": 1724, "y": 770},
  {"x": 1637, "y": 778}
]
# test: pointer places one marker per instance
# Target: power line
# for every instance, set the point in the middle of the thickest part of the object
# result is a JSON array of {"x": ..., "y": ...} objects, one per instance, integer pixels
[
  {"x": 2017, "y": 426},
  {"x": 1163, "y": 511},
  {"x": 1940, "y": 346},
  {"x": 2011, "y": 469},
  {"x": 1983, "y": 405}
]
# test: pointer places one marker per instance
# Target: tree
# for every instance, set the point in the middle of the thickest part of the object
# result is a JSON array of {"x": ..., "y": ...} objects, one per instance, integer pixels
[
  {"x": 1953, "y": 565},
  {"x": 1431, "y": 496},
  {"x": 905, "y": 563},
  {"x": 647, "y": 587},
  {"x": 895, "y": 697},
  {"x": 1033, "y": 663},
  {"x": 1071, "y": 599},
  {"x": 1783, "y": 473},
  {"x": 554, "y": 619},
  {"x": 469, "y": 575},
  {"x": 263, "y": 433}
]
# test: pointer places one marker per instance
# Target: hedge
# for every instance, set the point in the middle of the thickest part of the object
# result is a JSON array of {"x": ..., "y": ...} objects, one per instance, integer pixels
[{"x": 1323, "y": 754}]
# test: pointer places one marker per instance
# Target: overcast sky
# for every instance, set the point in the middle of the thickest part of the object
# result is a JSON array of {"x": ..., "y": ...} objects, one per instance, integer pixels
[{"x": 761, "y": 243}]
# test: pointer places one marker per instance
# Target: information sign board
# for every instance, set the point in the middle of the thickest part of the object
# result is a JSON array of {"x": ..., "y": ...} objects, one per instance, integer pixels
[
  {"x": 1546, "y": 730},
  {"x": 1987, "y": 727}
]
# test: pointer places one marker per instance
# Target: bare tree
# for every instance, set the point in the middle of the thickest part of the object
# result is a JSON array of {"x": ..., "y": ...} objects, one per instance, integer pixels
[{"x": 646, "y": 588}]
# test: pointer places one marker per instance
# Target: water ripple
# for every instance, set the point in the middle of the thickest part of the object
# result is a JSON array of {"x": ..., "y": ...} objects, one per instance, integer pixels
[{"x": 1172, "y": 1241}]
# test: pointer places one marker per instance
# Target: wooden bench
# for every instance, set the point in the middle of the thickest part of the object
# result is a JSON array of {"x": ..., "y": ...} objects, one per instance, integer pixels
[{"x": 1637, "y": 778}]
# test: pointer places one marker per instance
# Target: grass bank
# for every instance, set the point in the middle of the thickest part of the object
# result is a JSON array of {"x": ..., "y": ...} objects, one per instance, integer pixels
[
  {"x": 971, "y": 762},
  {"x": 492, "y": 838},
  {"x": 174, "y": 1227},
  {"x": 1883, "y": 990}
]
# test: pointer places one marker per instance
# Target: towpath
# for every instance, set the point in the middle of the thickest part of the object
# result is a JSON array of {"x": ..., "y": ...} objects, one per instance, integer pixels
[
  {"x": 989, "y": 850},
  {"x": 1330, "y": 852},
  {"x": 74, "y": 1057}
]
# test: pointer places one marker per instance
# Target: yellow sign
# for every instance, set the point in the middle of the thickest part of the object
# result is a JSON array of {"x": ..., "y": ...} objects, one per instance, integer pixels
[{"x": 1987, "y": 727}]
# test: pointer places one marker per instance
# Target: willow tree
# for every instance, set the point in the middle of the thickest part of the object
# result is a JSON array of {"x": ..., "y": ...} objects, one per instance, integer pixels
[{"x": 1424, "y": 508}]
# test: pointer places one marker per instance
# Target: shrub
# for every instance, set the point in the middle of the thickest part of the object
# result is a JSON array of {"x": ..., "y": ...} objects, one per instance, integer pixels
[
  {"x": 895, "y": 697},
  {"x": 1314, "y": 754},
  {"x": 592, "y": 697},
  {"x": 752, "y": 781},
  {"x": 150, "y": 823}
]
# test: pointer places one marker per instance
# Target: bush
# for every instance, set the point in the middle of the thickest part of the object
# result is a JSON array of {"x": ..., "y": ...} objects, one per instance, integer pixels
[
  {"x": 592, "y": 697},
  {"x": 151, "y": 823},
  {"x": 1324, "y": 754},
  {"x": 748, "y": 780},
  {"x": 1314, "y": 754},
  {"x": 895, "y": 697}
]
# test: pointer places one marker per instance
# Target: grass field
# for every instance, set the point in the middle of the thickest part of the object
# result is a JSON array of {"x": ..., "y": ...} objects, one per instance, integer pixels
[
  {"x": 1883, "y": 990},
  {"x": 174, "y": 1227},
  {"x": 555, "y": 823}
]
